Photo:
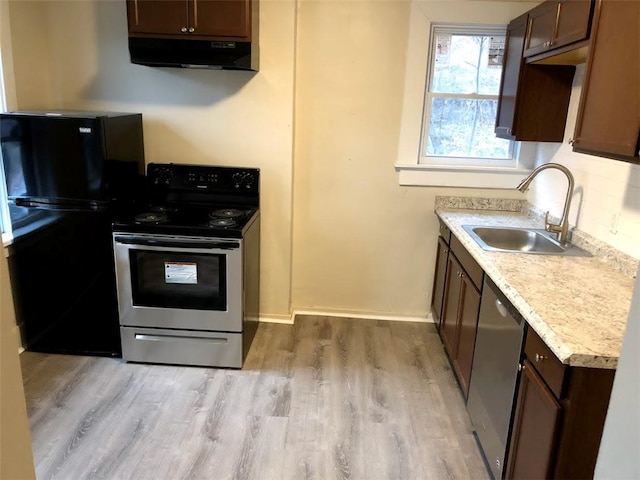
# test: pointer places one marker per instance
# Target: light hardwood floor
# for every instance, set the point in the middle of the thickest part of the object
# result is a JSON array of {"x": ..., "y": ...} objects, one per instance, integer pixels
[{"x": 326, "y": 398}]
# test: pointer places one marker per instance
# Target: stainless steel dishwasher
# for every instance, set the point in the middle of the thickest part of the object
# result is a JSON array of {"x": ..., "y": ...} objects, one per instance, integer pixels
[{"x": 494, "y": 374}]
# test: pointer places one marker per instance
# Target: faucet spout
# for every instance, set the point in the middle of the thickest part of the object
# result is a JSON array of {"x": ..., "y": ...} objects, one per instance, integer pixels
[{"x": 562, "y": 229}]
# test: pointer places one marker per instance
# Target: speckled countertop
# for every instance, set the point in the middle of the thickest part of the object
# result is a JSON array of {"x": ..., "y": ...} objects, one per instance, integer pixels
[{"x": 578, "y": 305}]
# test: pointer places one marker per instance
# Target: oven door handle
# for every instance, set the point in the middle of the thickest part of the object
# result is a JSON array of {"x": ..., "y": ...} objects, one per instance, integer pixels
[{"x": 150, "y": 242}]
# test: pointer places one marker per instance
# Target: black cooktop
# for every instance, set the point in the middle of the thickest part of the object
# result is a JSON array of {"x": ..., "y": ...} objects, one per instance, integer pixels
[
  {"x": 211, "y": 220},
  {"x": 194, "y": 200}
]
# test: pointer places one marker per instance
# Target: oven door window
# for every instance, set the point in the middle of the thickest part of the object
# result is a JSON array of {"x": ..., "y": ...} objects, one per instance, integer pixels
[{"x": 178, "y": 280}]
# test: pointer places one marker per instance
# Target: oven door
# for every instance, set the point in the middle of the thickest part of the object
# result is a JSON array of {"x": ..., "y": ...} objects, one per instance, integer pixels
[{"x": 174, "y": 282}]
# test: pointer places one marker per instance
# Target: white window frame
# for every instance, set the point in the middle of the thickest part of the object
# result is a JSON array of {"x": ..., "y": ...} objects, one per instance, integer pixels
[
  {"x": 5, "y": 222},
  {"x": 455, "y": 29},
  {"x": 410, "y": 171},
  {"x": 7, "y": 101}
]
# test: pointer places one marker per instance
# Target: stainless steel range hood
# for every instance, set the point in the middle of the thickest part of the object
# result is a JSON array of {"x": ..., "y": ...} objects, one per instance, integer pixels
[{"x": 204, "y": 54}]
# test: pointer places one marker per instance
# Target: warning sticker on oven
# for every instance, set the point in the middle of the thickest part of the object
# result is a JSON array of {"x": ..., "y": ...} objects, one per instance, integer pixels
[{"x": 181, "y": 272}]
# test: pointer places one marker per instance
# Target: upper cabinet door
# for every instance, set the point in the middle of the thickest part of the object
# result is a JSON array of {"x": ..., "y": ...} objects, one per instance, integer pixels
[
  {"x": 511, "y": 69},
  {"x": 222, "y": 18},
  {"x": 608, "y": 122},
  {"x": 555, "y": 24},
  {"x": 164, "y": 17},
  {"x": 574, "y": 22},
  {"x": 542, "y": 24}
]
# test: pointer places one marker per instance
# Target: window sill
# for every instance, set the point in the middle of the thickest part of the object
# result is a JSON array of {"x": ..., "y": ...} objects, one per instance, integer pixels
[{"x": 450, "y": 176}]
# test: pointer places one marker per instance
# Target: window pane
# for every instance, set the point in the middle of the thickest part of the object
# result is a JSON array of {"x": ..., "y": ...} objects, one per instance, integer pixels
[
  {"x": 467, "y": 64},
  {"x": 464, "y": 128}
]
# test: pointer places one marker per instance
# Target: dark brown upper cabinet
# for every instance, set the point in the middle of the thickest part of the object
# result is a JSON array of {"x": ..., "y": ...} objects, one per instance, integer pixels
[
  {"x": 195, "y": 19},
  {"x": 533, "y": 99},
  {"x": 557, "y": 25},
  {"x": 608, "y": 122}
]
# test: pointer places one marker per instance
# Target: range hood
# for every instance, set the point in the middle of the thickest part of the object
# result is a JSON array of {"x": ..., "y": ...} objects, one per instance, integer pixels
[{"x": 203, "y": 54}]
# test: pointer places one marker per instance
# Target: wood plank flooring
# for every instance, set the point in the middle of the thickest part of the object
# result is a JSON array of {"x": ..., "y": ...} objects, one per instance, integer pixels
[{"x": 326, "y": 398}]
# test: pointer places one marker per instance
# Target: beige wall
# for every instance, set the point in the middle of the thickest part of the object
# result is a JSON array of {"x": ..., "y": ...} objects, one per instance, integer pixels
[
  {"x": 363, "y": 244},
  {"x": 16, "y": 460}
]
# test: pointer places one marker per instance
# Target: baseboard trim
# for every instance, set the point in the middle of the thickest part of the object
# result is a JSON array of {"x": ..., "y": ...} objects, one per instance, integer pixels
[
  {"x": 364, "y": 316},
  {"x": 286, "y": 319},
  {"x": 290, "y": 319}
]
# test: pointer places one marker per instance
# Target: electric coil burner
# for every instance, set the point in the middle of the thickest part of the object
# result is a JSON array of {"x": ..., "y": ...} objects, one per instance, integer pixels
[
  {"x": 151, "y": 217},
  {"x": 187, "y": 267}
]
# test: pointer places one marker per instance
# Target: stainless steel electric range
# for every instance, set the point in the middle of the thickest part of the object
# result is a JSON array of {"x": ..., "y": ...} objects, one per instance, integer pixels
[{"x": 188, "y": 267}]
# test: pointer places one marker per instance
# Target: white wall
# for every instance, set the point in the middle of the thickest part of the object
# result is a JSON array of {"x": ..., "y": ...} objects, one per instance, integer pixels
[{"x": 619, "y": 455}]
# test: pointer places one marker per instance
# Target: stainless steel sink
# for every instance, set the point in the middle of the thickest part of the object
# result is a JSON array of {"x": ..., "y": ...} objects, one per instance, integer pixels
[{"x": 520, "y": 240}]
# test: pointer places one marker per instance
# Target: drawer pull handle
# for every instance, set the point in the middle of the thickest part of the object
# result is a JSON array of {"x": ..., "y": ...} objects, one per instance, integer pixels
[
  {"x": 539, "y": 357},
  {"x": 180, "y": 338}
]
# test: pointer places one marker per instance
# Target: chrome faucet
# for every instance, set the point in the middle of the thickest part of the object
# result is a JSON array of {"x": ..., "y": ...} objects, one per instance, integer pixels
[{"x": 563, "y": 228}]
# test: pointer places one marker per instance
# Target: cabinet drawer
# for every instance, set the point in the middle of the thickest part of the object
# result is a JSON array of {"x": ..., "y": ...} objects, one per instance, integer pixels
[
  {"x": 445, "y": 233},
  {"x": 467, "y": 262},
  {"x": 545, "y": 362}
]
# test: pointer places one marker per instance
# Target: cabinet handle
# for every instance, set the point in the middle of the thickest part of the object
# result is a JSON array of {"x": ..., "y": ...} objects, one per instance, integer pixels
[
  {"x": 191, "y": 29},
  {"x": 539, "y": 357},
  {"x": 183, "y": 29},
  {"x": 520, "y": 367}
]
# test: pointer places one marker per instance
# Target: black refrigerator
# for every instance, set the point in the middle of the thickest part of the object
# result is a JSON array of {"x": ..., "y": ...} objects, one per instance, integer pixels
[{"x": 68, "y": 174}]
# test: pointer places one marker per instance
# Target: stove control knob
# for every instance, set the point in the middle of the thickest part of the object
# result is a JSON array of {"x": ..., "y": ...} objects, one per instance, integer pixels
[
  {"x": 249, "y": 181},
  {"x": 163, "y": 176},
  {"x": 236, "y": 178}
]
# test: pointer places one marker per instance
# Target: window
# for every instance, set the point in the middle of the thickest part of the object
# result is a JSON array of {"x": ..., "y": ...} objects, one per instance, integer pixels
[
  {"x": 461, "y": 98},
  {"x": 465, "y": 168}
]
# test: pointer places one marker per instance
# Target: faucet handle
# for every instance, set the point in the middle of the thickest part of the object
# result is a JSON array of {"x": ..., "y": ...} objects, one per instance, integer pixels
[{"x": 551, "y": 227}]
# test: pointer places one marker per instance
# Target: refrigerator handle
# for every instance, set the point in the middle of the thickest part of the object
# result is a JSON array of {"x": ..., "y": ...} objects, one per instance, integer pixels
[{"x": 74, "y": 206}]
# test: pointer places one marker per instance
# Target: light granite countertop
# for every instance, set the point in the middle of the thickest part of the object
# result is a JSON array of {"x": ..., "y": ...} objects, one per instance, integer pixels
[{"x": 578, "y": 305}]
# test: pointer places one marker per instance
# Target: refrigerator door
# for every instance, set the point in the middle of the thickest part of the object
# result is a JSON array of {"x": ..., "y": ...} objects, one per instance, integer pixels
[{"x": 63, "y": 285}]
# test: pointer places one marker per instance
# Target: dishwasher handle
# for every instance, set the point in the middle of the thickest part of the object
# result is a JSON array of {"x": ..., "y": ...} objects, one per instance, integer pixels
[
  {"x": 502, "y": 310},
  {"x": 502, "y": 303}
]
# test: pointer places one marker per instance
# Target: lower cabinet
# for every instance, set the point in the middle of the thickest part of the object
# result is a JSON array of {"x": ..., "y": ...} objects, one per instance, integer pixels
[
  {"x": 460, "y": 308},
  {"x": 559, "y": 409},
  {"x": 559, "y": 416},
  {"x": 437, "y": 294},
  {"x": 534, "y": 429}
]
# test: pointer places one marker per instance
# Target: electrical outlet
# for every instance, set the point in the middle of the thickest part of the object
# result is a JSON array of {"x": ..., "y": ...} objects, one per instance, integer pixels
[{"x": 615, "y": 218}]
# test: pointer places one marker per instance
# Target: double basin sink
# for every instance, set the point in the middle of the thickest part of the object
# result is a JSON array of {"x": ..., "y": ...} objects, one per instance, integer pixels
[{"x": 520, "y": 240}]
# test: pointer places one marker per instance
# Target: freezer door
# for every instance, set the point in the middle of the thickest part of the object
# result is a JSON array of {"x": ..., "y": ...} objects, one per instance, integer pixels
[{"x": 53, "y": 157}]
